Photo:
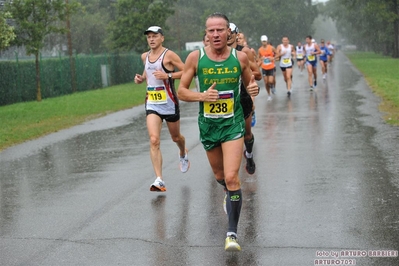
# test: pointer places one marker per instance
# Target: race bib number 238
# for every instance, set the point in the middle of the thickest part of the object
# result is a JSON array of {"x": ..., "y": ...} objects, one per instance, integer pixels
[{"x": 222, "y": 108}]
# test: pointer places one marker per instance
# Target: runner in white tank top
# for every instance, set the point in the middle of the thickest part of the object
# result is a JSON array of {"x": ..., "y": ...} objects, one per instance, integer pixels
[
  {"x": 161, "y": 101},
  {"x": 331, "y": 48},
  {"x": 285, "y": 51},
  {"x": 312, "y": 50},
  {"x": 161, "y": 95},
  {"x": 300, "y": 53}
]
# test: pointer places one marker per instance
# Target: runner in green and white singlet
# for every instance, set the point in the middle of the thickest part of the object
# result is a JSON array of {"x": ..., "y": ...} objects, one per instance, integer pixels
[
  {"x": 227, "y": 110},
  {"x": 219, "y": 70}
]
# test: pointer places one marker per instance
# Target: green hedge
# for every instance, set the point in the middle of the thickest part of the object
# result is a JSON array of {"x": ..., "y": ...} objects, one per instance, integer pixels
[{"x": 18, "y": 83}]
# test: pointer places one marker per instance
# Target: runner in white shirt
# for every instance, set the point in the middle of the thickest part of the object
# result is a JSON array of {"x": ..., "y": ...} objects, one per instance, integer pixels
[
  {"x": 161, "y": 101},
  {"x": 311, "y": 51},
  {"x": 300, "y": 56},
  {"x": 331, "y": 48},
  {"x": 285, "y": 52}
]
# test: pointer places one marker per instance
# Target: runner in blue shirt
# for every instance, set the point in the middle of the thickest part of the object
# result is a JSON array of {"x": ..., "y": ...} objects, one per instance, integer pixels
[{"x": 325, "y": 52}]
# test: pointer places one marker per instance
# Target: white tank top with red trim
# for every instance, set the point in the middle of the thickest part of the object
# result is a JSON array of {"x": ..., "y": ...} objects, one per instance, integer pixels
[{"x": 161, "y": 95}]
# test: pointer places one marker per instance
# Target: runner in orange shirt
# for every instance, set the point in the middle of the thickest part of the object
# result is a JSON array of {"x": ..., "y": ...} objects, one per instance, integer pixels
[{"x": 266, "y": 61}]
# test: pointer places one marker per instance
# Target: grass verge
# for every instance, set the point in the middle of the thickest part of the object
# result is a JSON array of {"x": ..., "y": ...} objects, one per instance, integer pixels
[
  {"x": 30, "y": 120},
  {"x": 382, "y": 75}
]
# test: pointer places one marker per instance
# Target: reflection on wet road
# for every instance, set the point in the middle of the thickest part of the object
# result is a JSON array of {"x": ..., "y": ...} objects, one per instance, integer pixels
[{"x": 327, "y": 180}]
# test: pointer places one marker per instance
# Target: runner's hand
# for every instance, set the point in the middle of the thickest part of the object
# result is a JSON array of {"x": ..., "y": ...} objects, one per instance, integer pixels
[
  {"x": 253, "y": 88},
  {"x": 160, "y": 75},
  {"x": 138, "y": 79},
  {"x": 211, "y": 95}
]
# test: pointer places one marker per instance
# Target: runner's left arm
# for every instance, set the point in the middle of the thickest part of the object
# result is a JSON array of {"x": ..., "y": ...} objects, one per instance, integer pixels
[
  {"x": 253, "y": 64},
  {"x": 178, "y": 64},
  {"x": 171, "y": 61},
  {"x": 277, "y": 53},
  {"x": 247, "y": 77},
  {"x": 293, "y": 51},
  {"x": 318, "y": 51}
]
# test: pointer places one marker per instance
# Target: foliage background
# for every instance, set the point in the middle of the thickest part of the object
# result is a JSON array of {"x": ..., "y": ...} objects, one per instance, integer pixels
[{"x": 114, "y": 28}]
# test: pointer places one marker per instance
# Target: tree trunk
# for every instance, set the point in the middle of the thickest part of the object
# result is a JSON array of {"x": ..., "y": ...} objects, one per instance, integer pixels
[
  {"x": 396, "y": 30},
  {"x": 70, "y": 52},
  {"x": 38, "y": 92}
]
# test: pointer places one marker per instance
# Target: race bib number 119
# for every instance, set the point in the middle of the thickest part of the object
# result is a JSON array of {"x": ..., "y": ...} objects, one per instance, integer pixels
[{"x": 156, "y": 95}]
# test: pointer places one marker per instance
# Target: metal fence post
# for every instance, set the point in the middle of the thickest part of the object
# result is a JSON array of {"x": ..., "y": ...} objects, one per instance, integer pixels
[
  {"x": 18, "y": 85},
  {"x": 105, "y": 72},
  {"x": 41, "y": 83},
  {"x": 61, "y": 74},
  {"x": 75, "y": 80},
  {"x": 92, "y": 70}
]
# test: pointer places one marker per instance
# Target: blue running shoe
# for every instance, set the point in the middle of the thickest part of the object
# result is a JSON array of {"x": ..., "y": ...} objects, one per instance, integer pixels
[{"x": 253, "y": 122}]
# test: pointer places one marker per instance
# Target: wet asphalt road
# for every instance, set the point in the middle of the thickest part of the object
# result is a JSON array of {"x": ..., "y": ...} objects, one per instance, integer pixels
[{"x": 327, "y": 179}]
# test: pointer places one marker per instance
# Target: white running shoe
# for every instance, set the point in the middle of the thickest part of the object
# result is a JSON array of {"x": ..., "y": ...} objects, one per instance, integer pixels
[
  {"x": 269, "y": 98},
  {"x": 184, "y": 163},
  {"x": 158, "y": 185}
]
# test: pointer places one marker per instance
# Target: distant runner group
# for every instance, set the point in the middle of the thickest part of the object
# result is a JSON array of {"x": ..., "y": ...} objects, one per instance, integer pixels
[{"x": 225, "y": 71}]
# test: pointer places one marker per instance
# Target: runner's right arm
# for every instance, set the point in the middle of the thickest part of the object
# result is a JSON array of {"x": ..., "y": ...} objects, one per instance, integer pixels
[
  {"x": 184, "y": 93},
  {"x": 138, "y": 79}
]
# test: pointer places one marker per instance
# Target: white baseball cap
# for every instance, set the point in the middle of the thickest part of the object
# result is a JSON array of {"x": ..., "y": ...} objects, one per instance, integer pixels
[
  {"x": 233, "y": 28},
  {"x": 154, "y": 29},
  {"x": 263, "y": 38}
]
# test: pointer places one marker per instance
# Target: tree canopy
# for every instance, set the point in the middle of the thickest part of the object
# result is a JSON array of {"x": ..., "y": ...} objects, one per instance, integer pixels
[
  {"x": 34, "y": 20},
  {"x": 184, "y": 20},
  {"x": 369, "y": 24},
  {"x": 7, "y": 34},
  {"x": 118, "y": 25},
  {"x": 133, "y": 17},
  {"x": 89, "y": 25}
]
